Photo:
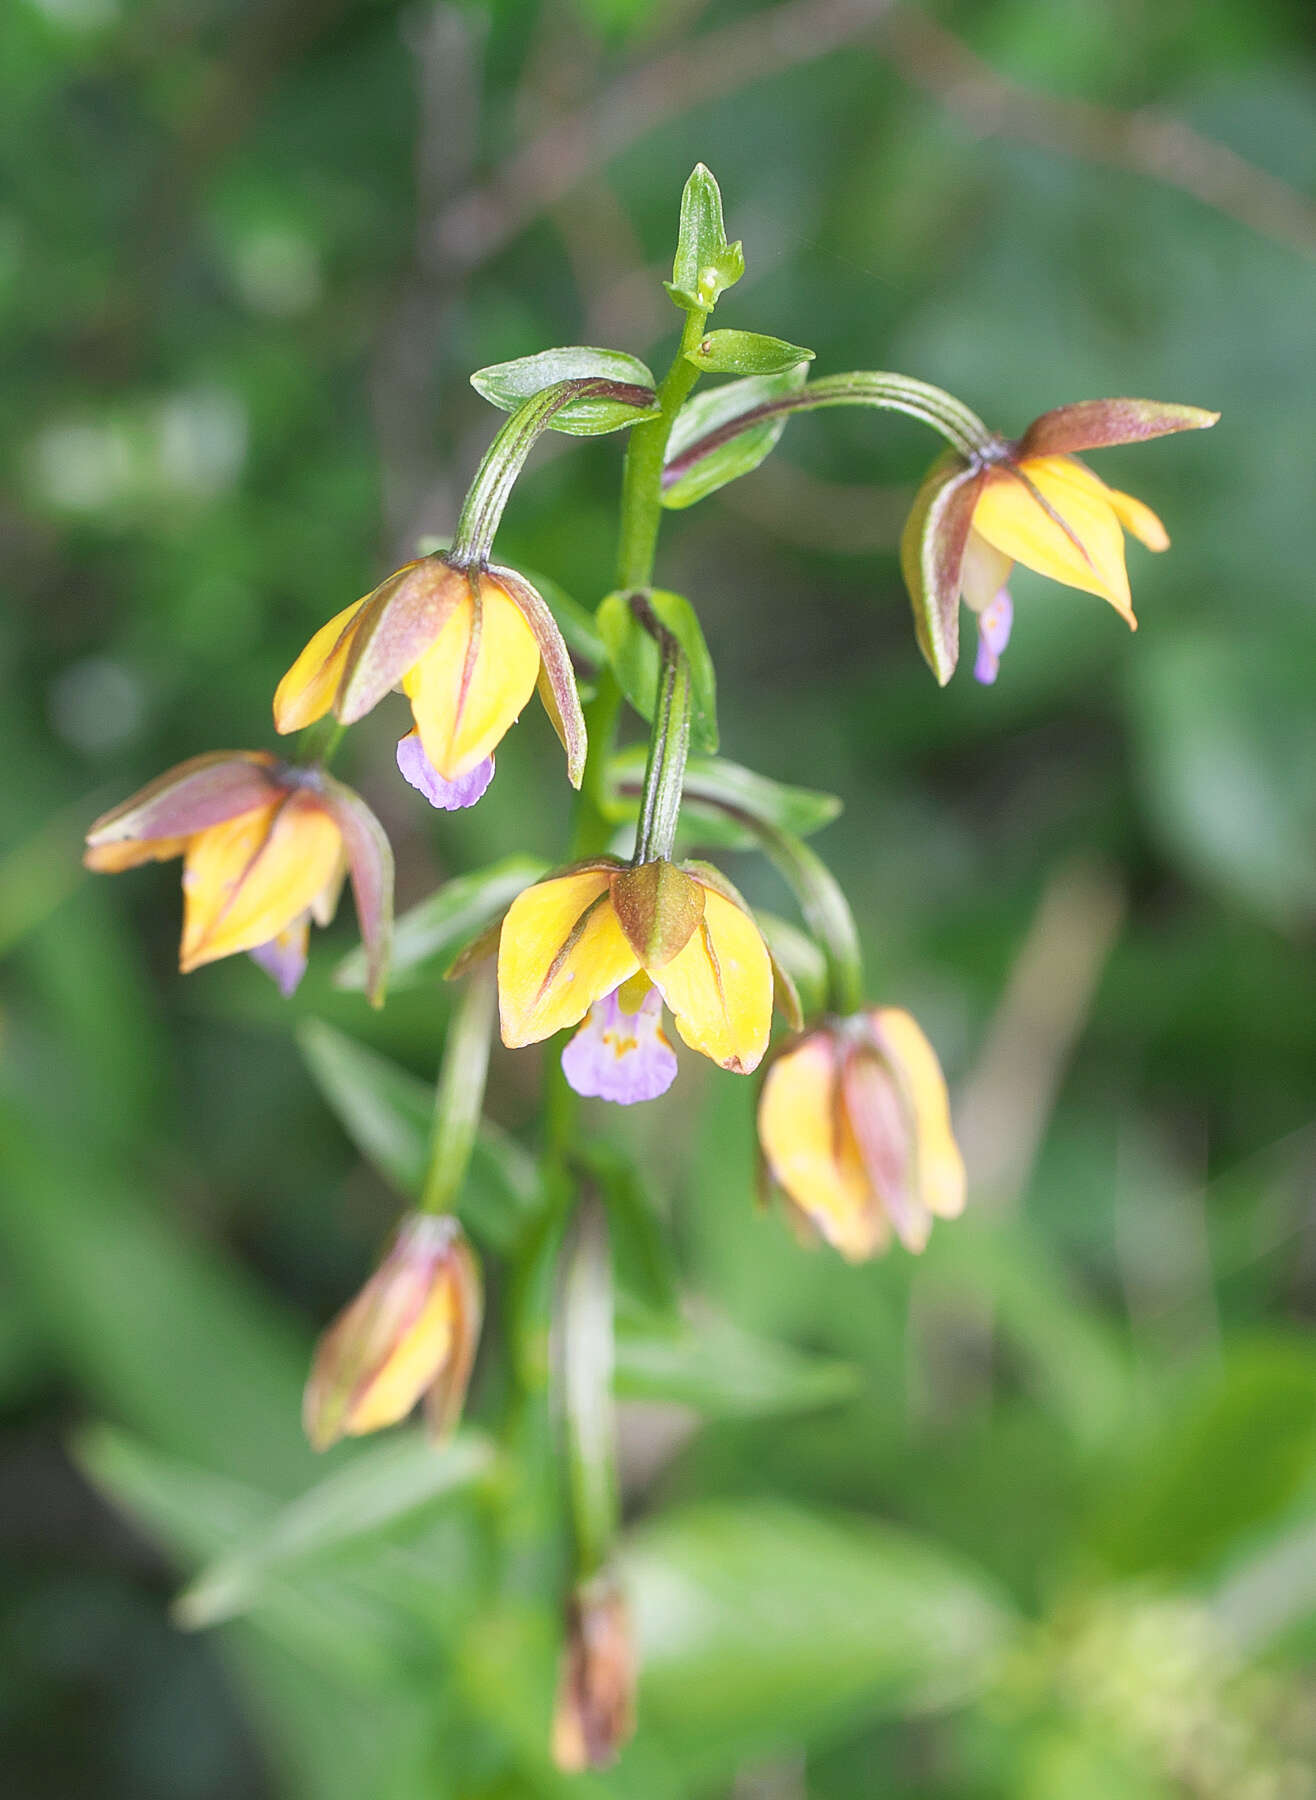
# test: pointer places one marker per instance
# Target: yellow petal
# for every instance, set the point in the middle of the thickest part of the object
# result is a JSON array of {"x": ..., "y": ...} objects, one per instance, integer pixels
[
  {"x": 246, "y": 880},
  {"x": 1010, "y": 518},
  {"x": 560, "y": 950},
  {"x": 1139, "y": 520},
  {"x": 309, "y": 688},
  {"x": 719, "y": 987},
  {"x": 983, "y": 573},
  {"x": 415, "y": 1362},
  {"x": 940, "y": 1165},
  {"x": 812, "y": 1153},
  {"x": 109, "y": 859},
  {"x": 464, "y": 696}
]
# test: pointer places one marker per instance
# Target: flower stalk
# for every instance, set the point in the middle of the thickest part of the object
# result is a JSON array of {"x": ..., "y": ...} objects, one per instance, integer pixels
[{"x": 669, "y": 744}]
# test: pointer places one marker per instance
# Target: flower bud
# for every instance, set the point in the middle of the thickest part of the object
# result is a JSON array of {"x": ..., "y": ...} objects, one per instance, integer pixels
[
  {"x": 595, "y": 1714},
  {"x": 410, "y": 1333},
  {"x": 854, "y": 1124}
]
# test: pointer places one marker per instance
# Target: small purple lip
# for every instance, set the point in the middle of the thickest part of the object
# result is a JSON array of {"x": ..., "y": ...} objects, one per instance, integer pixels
[
  {"x": 283, "y": 958},
  {"x": 447, "y": 796},
  {"x": 619, "y": 1056},
  {"x": 994, "y": 623}
]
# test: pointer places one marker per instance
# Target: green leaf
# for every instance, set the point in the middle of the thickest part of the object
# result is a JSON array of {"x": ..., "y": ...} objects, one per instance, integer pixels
[
  {"x": 799, "y": 958},
  {"x": 644, "y": 1267},
  {"x": 379, "y": 1488},
  {"x": 686, "y": 482},
  {"x": 1218, "y": 1467},
  {"x": 724, "y": 791},
  {"x": 745, "y": 353},
  {"x": 426, "y": 938},
  {"x": 633, "y": 652},
  {"x": 761, "y": 1626},
  {"x": 705, "y": 264},
  {"x": 387, "y": 1112},
  {"x": 724, "y": 1372},
  {"x": 507, "y": 385}
]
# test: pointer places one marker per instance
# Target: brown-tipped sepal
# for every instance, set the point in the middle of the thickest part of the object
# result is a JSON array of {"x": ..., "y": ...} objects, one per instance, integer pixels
[
  {"x": 410, "y": 1334},
  {"x": 397, "y": 624},
  {"x": 370, "y": 864},
  {"x": 594, "y": 1717},
  {"x": 203, "y": 791},
  {"x": 659, "y": 907},
  {"x": 1095, "y": 424},
  {"x": 932, "y": 548},
  {"x": 557, "y": 676}
]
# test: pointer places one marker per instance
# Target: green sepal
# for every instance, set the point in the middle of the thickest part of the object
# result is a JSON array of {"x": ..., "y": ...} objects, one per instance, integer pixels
[
  {"x": 739, "y": 455},
  {"x": 509, "y": 385},
  {"x": 634, "y": 654},
  {"x": 659, "y": 908},
  {"x": 427, "y": 937},
  {"x": 745, "y": 353},
  {"x": 705, "y": 264}
]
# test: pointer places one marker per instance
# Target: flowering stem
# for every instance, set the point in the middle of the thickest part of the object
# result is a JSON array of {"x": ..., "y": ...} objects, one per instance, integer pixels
[
  {"x": 669, "y": 744},
  {"x": 961, "y": 428},
  {"x": 459, "y": 1092},
  {"x": 505, "y": 458},
  {"x": 642, "y": 480},
  {"x": 319, "y": 743},
  {"x": 586, "y": 1365}
]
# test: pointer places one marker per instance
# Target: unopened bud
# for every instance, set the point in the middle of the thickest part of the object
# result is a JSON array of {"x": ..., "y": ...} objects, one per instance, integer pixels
[
  {"x": 595, "y": 1714},
  {"x": 409, "y": 1334}
]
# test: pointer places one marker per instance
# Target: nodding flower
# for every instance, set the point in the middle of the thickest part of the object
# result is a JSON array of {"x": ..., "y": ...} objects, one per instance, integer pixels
[
  {"x": 594, "y": 1717},
  {"x": 467, "y": 646},
  {"x": 605, "y": 932},
  {"x": 854, "y": 1125},
  {"x": 265, "y": 850},
  {"x": 410, "y": 1334},
  {"x": 1031, "y": 502}
]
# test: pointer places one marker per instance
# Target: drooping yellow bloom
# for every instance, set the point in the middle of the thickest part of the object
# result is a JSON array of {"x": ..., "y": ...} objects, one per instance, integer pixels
[
  {"x": 854, "y": 1123},
  {"x": 569, "y": 941},
  {"x": 411, "y": 1333},
  {"x": 1031, "y": 502},
  {"x": 265, "y": 849},
  {"x": 466, "y": 646}
]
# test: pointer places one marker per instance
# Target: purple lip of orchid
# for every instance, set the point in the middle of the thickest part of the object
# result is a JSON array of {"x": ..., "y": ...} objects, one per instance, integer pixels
[
  {"x": 994, "y": 624},
  {"x": 619, "y": 1056},
  {"x": 448, "y": 796},
  {"x": 283, "y": 958}
]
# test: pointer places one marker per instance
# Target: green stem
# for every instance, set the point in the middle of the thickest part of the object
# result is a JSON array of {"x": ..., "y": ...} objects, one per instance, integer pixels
[
  {"x": 669, "y": 746},
  {"x": 961, "y": 428},
  {"x": 459, "y": 1092},
  {"x": 319, "y": 743},
  {"x": 642, "y": 480},
  {"x": 505, "y": 458},
  {"x": 587, "y": 1403}
]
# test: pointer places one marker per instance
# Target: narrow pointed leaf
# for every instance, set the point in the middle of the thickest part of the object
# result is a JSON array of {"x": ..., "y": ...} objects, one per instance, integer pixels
[
  {"x": 624, "y": 397},
  {"x": 636, "y": 660},
  {"x": 686, "y": 481},
  {"x": 746, "y": 353},
  {"x": 705, "y": 264}
]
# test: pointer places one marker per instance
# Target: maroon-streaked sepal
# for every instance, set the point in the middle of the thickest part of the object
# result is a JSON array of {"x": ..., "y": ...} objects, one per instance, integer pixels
[
  {"x": 446, "y": 1395},
  {"x": 204, "y": 790},
  {"x": 396, "y": 627},
  {"x": 370, "y": 865},
  {"x": 557, "y": 677},
  {"x": 932, "y": 556},
  {"x": 884, "y": 1133},
  {"x": 1093, "y": 424},
  {"x": 659, "y": 907}
]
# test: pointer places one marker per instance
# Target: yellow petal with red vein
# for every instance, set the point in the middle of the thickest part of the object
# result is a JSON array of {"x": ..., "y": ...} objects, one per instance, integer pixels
[
  {"x": 1139, "y": 520},
  {"x": 940, "y": 1165},
  {"x": 1011, "y": 519},
  {"x": 719, "y": 987},
  {"x": 310, "y": 687},
  {"x": 110, "y": 859},
  {"x": 560, "y": 950},
  {"x": 246, "y": 880},
  {"x": 420, "y": 1354},
  {"x": 464, "y": 698},
  {"x": 812, "y": 1153}
]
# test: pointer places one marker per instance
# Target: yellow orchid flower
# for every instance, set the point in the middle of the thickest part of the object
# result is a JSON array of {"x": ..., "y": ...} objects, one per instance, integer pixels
[
  {"x": 410, "y": 1333},
  {"x": 576, "y": 939},
  {"x": 1031, "y": 502},
  {"x": 265, "y": 849},
  {"x": 854, "y": 1124},
  {"x": 466, "y": 646}
]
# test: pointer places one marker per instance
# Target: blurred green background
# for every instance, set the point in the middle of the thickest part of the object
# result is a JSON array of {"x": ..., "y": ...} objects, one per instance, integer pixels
[{"x": 1032, "y": 1516}]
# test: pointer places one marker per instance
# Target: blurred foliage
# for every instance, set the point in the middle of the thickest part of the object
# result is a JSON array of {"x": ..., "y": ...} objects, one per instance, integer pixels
[{"x": 1033, "y": 1516}]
